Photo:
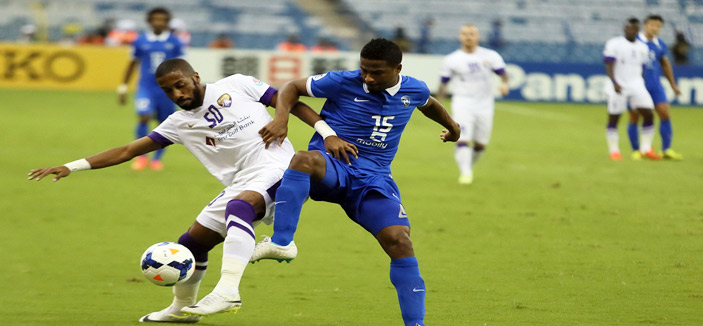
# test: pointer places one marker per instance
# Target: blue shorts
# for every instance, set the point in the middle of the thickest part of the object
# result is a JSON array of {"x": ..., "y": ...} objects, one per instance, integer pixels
[
  {"x": 657, "y": 93},
  {"x": 153, "y": 102},
  {"x": 370, "y": 200}
]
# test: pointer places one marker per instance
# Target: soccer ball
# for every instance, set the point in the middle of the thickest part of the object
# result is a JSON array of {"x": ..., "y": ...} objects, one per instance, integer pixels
[{"x": 167, "y": 264}]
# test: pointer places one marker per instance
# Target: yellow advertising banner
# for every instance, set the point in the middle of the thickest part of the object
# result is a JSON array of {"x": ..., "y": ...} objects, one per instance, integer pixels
[{"x": 50, "y": 66}]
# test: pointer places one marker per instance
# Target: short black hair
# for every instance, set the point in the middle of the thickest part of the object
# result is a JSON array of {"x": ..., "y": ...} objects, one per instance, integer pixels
[
  {"x": 158, "y": 10},
  {"x": 633, "y": 20},
  {"x": 654, "y": 17},
  {"x": 173, "y": 65},
  {"x": 382, "y": 49}
]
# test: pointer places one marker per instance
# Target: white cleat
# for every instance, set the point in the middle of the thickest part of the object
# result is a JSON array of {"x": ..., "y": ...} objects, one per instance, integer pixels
[
  {"x": 169, "y": 315},
  {"x": 466, "y": 179},
  {"x": 266, "y": 249},
  {"x": 213, "y": 303}
]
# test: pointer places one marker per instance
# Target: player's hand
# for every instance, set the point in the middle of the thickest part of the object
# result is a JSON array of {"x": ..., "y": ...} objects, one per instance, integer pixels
[
  {"x": 618, "y": 88},
  {"x": 276, "y": 129},
  {"x": 676, "y": 89},
  {"x": 122, "y": 99},
  {"x": 338, "y": 148},
  {"x": 59, "y": 171},
  {"x": 504, "y": 89},
  {"x": 450, "y": 135}
]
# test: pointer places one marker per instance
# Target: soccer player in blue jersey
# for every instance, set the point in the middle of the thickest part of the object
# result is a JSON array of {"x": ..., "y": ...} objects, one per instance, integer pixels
[
  {"x": 657, "y": 65},
  {"x": 149, "y": 50},
  {"x": 370, "y": 108}
]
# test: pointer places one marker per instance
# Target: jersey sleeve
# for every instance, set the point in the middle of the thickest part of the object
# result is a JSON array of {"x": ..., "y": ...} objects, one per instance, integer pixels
[
  {"x": 662, "y": 51},
  {"x": 166, "y": 133},
  {"x": 609, "y": 52},
  {"x": 497, "y": 63},
  {"x": 446, "y": 73},
  {"x": 255, "y": 89},
  {"x": 325, "y": 85},
  {"x": 424, "y": 93}
]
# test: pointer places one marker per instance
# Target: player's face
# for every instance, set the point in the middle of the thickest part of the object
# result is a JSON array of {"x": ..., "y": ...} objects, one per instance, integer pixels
[
  {"x": 469, "y": 36},
  {"x": 379, "y": 75},
  {"x": 185, "y": 91},
  {"x": 631, "y": 31},
  {"x": 158, "y": 22},
  {"x": 652, "y": 27}
]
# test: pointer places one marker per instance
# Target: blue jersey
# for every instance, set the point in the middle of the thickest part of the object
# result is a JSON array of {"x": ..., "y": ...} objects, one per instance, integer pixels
[
  {"x": 151, "y": 49},
  {"x": 652, "y": 70},
  {"x": 373, "y": 121}
]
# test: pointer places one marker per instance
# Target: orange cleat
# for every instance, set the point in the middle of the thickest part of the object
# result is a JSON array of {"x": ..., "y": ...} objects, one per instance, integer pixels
[
  {"x": 615, "y": 156},
  {"x": 651, "y": 155},
  {"x": 140, "y": 163},
  {"x": 156, "y": 165}
]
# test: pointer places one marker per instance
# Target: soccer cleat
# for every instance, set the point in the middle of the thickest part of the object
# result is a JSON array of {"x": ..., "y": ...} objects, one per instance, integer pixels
[
  {"x": 636, "y": 155},
  {"x": 651, "y": 155},
  {"x": 615, "y": 156},
  {"x": 670, "y": 154},
  {"x": 466, "y": 179},
  {"x": 213, "y": 303},
  {"x": 266, "y": 249},
  {"x": 168, "y": 316},
  {"x": 140, "y": 163},
  {"x": 156, "y": 165}
]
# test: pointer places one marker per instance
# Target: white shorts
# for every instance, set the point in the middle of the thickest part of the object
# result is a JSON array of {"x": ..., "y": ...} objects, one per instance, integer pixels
[
  {"x": 637, "y": 96},
  {"x": 475, "y": 119},
  {"x": 213, "y": 215}
]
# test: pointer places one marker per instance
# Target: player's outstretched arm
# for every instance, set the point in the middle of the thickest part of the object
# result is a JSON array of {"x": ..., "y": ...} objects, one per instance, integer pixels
[
  {"x": 435, "y": 111},
  {"x": 669, "y": 74},
  {"x": 609, "y": 70},
  {"x": 122, "y": 89},
  {"x": 107, "y": 158}
]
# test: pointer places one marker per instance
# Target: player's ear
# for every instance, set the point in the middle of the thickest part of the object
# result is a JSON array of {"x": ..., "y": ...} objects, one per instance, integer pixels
[
  {"x": 196, "y": 77},
  {"x": 398, "y": 68}
]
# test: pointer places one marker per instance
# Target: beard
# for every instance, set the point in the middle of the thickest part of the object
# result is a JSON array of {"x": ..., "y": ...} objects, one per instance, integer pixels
[{"x": 196, "y": 101}]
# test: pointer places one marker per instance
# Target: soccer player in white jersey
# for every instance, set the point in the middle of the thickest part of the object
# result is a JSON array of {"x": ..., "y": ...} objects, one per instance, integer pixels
[
  {"x": 227, "y": 127},
  {"x": 471, "y": 70},
  {"x": 624, "y": 57}
]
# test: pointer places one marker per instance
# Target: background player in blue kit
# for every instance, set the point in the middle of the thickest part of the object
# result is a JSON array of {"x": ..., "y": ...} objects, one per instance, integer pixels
[
  {"x": 149, "y": 50},
  {"x": 370, "y": 108},
  {"x": 658, "y": 64}
]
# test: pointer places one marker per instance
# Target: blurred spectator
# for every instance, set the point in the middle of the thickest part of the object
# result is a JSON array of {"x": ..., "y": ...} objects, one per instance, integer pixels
[
  {"x": 221, "y": 42},
  {"x": 125, "y": 33},
  {"x": 179, "y": 28},
  {"x": 292, "y": 44},
  {"x": 495, "y": 40},
  {"x": 680, "y": 49},
  {"x": 97, "y": 36},
  {"x": 324, "y": 45},
  {"x": 401, "y": 39},
  {"x": 28, "y": 34},
  {"x": 424, "y": 42}
]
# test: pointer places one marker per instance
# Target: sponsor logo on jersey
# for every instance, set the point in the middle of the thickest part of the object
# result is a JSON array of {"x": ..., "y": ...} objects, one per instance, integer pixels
[
  {"x": 257, "y": 82},
  {"x": 360, "y": 100},
  {"x": 402, "y": 214},
  {"x": 210, "y": 142},
  {"x": 406, "y": 100},
  {"x": 318, "y": 77},
  {"x": 224, "y": 101}
]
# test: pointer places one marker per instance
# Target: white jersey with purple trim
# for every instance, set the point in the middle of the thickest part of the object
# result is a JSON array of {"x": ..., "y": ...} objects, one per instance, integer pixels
[
  {"x": 223, "y": 132},
  {"x": 628, "y": 58},
  {"x": 472, "y": 73}
]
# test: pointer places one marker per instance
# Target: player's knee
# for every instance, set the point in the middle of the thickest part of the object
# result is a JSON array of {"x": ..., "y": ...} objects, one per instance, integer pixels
[
  {"x": 306, "y": 162},
  {"x": 479, "y": 147},
  {"x": 397, "y": 244},
  {"x": 663, "y": 111}
]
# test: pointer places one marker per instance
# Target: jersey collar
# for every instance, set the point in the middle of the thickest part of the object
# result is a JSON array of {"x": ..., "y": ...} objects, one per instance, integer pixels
[
  {"x": 151, "y": 37},
  {"x": 391, "y": 90},
  {"x": 644, "y": 38}
]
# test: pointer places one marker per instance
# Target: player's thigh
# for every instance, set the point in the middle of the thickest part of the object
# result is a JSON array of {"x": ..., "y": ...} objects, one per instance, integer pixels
[
  {"x": 658, "y": 94},
  {"x": 377, "y": 211},
  {"x": 143, "y": 103},
  {"x": 617, "y": 103},
  {"x": 483, "y": 127},
  {"x": 639, "y": 98}
]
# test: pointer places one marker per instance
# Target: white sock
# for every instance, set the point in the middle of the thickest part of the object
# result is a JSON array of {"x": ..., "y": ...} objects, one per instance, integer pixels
[
  {"x": 462, "y": 155},
  {"x": 611, "y": 134},
  {"x": 646, "y": 138},
  {"x": 186, "y": 294},
  {"x": 236, "y": 252}
]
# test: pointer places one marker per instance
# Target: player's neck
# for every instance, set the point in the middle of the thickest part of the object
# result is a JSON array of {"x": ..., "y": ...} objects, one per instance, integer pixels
[
  {"x": 649, "y": 36},
  {"x": 468, "y": 49}
]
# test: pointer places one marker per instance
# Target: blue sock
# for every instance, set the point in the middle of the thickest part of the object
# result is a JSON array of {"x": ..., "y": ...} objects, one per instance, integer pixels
[
  {"x": 634, "y": 136},
  {"x": 158, "y": 153},
  {"x": 141, "y": 130},
  {"x": 667, "y": 132},
  {"x": 405, "y": 276},
  {"x": 290, "y": 197}
]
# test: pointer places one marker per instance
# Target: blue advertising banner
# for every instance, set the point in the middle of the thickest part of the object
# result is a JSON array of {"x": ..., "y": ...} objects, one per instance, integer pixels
[{"x": 585, "y": 82}]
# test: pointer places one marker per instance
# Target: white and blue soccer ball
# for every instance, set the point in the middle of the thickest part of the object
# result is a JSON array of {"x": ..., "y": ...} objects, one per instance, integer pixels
[{"x": 167, "y": 264}]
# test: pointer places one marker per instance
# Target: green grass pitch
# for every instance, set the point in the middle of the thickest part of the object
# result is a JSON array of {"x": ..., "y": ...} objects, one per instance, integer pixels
[{"x": 551, "y": 233}]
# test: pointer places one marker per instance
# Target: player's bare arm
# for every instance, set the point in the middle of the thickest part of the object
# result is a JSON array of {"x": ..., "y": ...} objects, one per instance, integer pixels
[
  {"x": 504, "y": 88},
  {"x": 122, "y": 89},
  {"x": 609, "y": 68},
  {"x": 669, "y": 74},
  {"x": 107, "y": 158},
  {"x": 435, "y": 111}
]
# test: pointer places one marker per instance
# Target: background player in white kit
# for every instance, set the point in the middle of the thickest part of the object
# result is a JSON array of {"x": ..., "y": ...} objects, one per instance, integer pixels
[
  {"x": 624, "y": 57},
  {"x": 471, "y": 68},
  {"x": 234, "y": 146}
]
